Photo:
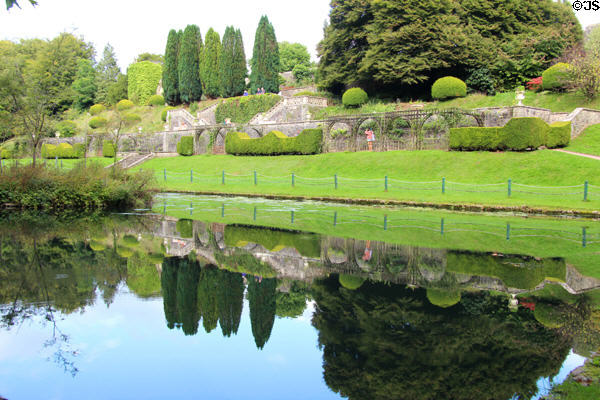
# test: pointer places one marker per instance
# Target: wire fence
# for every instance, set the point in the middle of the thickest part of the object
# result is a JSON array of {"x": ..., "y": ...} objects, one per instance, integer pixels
[
  {"x": 583, "y": 191},
  {"x": 303, "y": 218}
]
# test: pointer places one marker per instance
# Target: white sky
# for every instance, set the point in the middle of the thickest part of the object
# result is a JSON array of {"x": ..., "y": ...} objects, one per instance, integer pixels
[{"x": 136, "y": 26}]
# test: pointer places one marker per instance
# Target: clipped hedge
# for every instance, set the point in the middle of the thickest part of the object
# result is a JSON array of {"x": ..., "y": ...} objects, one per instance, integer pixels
[
  {"x": 448, "y": 87},
  {"x": 185, "y": 146},
  {"x": 309, "y": 141},
  {"x": 66, "y": 128},
  {"x": 354, "y": 97},
  {"x": 443, "y": 298},
  {"x": 185, "y": 227},
  {"x": 125, "y": 105},
  {"x": 97, "y": 109},
  {"x": 556, "y": 77},
  {"x": 243, "y": 109},
  {"x": 63, "y": 150},
  {"x": 142, "y": 80},
  {"x": 108, "y": 149},
  {"x": 97, "y": 122},
  {"x": 307, "y": 244},
  {"x": 156, "y": 100},
  {"x": 164, "y": 113},
  {"x": 351, "y": 282},
  {"x": 518, "y": 134},
  {"x": 6, "y": 154}
]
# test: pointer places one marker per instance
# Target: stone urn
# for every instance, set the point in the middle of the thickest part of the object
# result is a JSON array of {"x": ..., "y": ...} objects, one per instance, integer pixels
[{"x": 520, "y": 96}]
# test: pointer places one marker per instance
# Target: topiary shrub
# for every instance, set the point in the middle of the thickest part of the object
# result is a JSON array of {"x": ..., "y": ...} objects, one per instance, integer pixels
[
  {"x": 476, "y": 138},
  {"x": 65, "y": 150},
  {"x": 97, "y": 109},
  {"x": 185, "y": 227},
  {"x": 156, "y": 100},
  {"x": 557, "y": 77},
  {"x": 142, "y": 80},
  {"x": 351, "y": 282},
  {"x": 97, "y": 122},
  {"x": 79, "y": 149},
  {"x": 559, "y": 134},
  {"x": 275, "y": 143},
  {"x": 48, "y": 151},
  {"x": 448, "y": 87},
  {"x": 125, "y": 105},
  {"x": 549, "y": 316},
  {"x": 443, "y": 298},
  {"x": 524, "y": 133},
  {"x": 243, "y": 109},
  {"x": 165, "y": 112},
  {"x": 124, "y": 252},
  {"x": 132, "y": 118},
  {"x": 130, "y": 241},
  {"x": 66, "y": 128},
  {"x": 6, "y": 154},
  {"x": 354, "y": 97},
  {"x": 108, "y": 149},
  {"x": 97, "y": 246},
  {"x": 185, "y": 146},
  {"x": 307, "y": 244}
]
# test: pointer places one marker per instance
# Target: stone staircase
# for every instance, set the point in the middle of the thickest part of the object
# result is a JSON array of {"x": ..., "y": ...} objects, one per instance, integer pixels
[{"x": 130, "y": 160}]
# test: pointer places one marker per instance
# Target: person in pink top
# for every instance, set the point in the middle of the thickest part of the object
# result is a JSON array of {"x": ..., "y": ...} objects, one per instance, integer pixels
[{"x": 370, "y": 138}]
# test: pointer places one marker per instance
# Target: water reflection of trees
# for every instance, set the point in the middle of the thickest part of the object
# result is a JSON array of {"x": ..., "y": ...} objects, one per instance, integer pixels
[{"x": 388, "y": 342}]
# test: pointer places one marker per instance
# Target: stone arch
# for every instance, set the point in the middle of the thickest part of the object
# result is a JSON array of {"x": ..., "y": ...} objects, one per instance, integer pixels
[
  {"x": 219, "y": 142},
  {"x": 201, "y": 141},
  {"x": 254, "y": 132},
  {"x": 398, "y": 128}
]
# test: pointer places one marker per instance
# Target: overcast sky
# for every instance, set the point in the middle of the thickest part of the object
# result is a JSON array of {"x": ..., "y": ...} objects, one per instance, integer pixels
[{"x": 136, "y": 26}]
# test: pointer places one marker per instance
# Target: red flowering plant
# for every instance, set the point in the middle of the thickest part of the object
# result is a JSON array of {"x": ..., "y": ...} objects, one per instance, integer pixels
[{"x": 535, "y": 84}]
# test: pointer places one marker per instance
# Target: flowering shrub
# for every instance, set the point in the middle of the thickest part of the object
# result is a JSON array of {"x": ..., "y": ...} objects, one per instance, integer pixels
[{"x": 535, "y": 84}]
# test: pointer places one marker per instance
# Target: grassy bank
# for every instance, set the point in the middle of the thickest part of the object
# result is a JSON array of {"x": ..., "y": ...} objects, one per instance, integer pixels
[
  {"x": 412, "y": 177},
  {"x": 588, "y": 142},
  {"x": 66, "y": 163}
]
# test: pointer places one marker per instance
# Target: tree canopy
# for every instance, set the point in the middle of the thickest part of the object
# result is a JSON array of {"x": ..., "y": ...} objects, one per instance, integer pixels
[
  {"x": 209, "y": 68},
  {"x": 291, "y": 55},
  {"x": 385, "y": 45},
  {"x": 265, "y": 58}
]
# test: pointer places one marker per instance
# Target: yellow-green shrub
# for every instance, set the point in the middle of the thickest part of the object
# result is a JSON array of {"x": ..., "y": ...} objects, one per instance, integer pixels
[
  {"x": 163, "y": 114},
  {"x": 448, "y": 87},
  {"x": 557, "y": 77},
  {"x": 125, "y": 105},
  {"x": 142, "y": 80},
  {"x": 243, "y": 109},
  {"x": 156, "y": 100},
  {"x": 108, "y": 149},
  {"x": 274, "y": 143},
  {"x": 185, "y": 146},
  {"x": 97, "y": 109},
  {"x": 97, "y": 122},
  {"x": 354, "y": 97}
]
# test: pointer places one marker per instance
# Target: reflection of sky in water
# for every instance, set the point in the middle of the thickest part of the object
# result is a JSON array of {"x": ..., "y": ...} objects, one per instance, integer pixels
[
  {"x": 572, "y": 362},
  {"x": 127, "y": 352}
]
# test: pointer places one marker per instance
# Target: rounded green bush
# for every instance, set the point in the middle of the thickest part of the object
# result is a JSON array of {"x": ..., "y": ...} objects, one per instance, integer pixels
[
  {"x": 132, "y": 118},
  {"x": 97, "y": 246},
  {"x": 130, "y": 240},
  {"x": 97, "y": 109},
  {"x": 97, "y": 122},
  {"x": 156, "y": 100},
  {"x": 525, "y": 133},
  {"x": 351, "y": 282},
  {"x": 354, "y": 97},
  {"x": 557, "y": 77},
  {"x": 66, "y": 128},
  {"x": 548, "y": 315},
  {"x": 124, "y": 252},
  {"x": 124, "y": 105},
  {"x": 448, "y": 87},
  {"x": 164, "y": 113},
  {"x": 443, "y": 298}
]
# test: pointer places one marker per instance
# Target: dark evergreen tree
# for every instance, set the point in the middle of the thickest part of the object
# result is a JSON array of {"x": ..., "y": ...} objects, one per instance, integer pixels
[
  {"x": 209, "y": 70},
  {"x": 170, "y": 78},
  {"x": 230, "y": 300},
  {"x": 187, "y": 296},
  {"x": 190, "y": 85},
  {"x": 265, "y": 58},
  {"x": 207, "y": 297},
  {"x": 261, "y": 298},
  {"x": 84, "y": 85},
  {"x": 107, "y": 74},
  {"x": 168, "y": 279},
  {"x": 232, "y": 64}
]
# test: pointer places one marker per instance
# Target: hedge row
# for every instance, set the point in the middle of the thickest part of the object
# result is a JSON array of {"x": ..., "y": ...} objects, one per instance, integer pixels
[
  {"x": 63, "y": 150},
  {"x": 108, "y": 149},
  {"x": 307, "y": 244},
  {"x": 142, "y": 80},
  {"x": 185, "y": 146},
  {"x": 518, "y": 134},
  {"x": 243, "y": 109},
  {"x": 274, "y": 143}
]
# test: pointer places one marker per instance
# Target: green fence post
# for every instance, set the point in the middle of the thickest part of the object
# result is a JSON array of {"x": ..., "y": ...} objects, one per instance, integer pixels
[
  {"x": 507, "y": 231},
  {"x": 293, "y": 180},
  {"x": 223, "y": 178},
  {"x": 585, "y": 191},
  {"x": 335, "y": 179},
  {"x": 165, "y": 173},
  {"x": 386, "y": 183},
  {"x": 255, "y": 178},
  {"x": 191, "y": 176},
  {"x": 255, "y": 213},
  {"x": 442, "y": 227},
  {"x": 584, "y": 237},
  {"x": 335, "y": 218},
  {"x": 385, "y": 222},
  {"x": 192, "y": 208},
  {"x": 509, "y": 187},
  {"x": 443, "y": 185},
  {"x": 292, "y": 216},
  {"x": 223, "y": 210}
]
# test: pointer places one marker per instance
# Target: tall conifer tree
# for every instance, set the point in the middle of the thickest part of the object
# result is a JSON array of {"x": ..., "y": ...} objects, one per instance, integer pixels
[
  {"x": 232, "y": 64},
  {"x": 265, "y": 58},
  {"x": 107, "y": 74},
  {"x": 170, "y": 79},
  {"x": 190, "y": 85},
  {"x": 209, "y": 70}
]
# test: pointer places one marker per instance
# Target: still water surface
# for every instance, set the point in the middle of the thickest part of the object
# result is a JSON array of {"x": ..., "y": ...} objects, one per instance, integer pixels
[{"x": 235, "y": 298}]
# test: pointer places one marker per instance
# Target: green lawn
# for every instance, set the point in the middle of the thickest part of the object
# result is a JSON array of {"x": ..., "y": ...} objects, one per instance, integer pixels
[
  {"x": 66, "y": 163},
  {"x": 588, "y": 142},
  {"x": 413, "y": 176}
]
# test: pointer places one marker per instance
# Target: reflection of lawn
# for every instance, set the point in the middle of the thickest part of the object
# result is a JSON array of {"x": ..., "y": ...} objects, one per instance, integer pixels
[
  {"x": 362, "y": 176},
  {"x": 537, "y": 237}
]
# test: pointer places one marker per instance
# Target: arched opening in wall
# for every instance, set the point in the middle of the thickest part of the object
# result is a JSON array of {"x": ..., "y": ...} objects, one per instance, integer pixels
[
  {"x": 253, "y": 132},
  {"x": 128, "y": 144},
  {"x": 340, "y": 137},
  {"x": 219, "y": 142},
  {"x": 202, "y": 141},
  {"x": 398, "y": 134},
  {"x": 433, "y": 132},
  {"x": 366, "y": 140}
]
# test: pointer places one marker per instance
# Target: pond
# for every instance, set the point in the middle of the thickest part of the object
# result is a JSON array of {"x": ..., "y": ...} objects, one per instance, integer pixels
[{"x": 227, "y": 298}]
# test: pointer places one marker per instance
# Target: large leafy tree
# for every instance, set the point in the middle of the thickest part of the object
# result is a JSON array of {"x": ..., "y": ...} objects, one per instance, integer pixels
[
  {"x": 265, "y": 58},
  {"x": 387, "y": 45},
  {"x": 291, "y": 55},
  {"x": 209, "y": 69},
  {"x": 170, "y": 78},
  {"x": 85, "y": 85},
  {"x": 107, "y": 74},
  {"x": 232, "y": 64},
  {"x": 190, "y": 85}
]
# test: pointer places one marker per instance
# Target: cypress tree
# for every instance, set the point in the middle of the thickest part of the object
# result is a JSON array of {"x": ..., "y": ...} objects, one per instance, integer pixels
[
  {"x": 209, "y": 70},
  {"x": 230, "y": 301},
  {"x": 170, "y": 78},
  {"x": 232, "y": 64},
  {"x": 265, "y": 58},
  {"x": 261, "y": 298},
  {"x": 190, "y": 85}
]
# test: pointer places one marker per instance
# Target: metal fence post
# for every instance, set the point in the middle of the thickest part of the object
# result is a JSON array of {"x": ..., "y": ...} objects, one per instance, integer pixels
[
  {"x": 191, "y": 176},
  {"x": 335, "y": 218},
  {"x": 255, "y": 213},
  {"x": 223, "y": 210},
  {"x": 191, "y": 208},
  {"x": 507, "y": 231},
  {"x": 442, "y": 227},
  {"x": 292, "y": 216},
  {"x": 293, "y": 180},
  {"x": 443, "y": 185},
  {"x": 584, "y": 237},
  {"x": 509, "y": 187},
  {"x": 255, "y": 182},
  {"x": 335, "y": 179},
  {"x": 385, "y": 222},
  {"x": 223, "y": 178},
  {"x": 585, "y": 191},
  {"x": 55, "y": 161},
  {"x": 386, "y": 183}
]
